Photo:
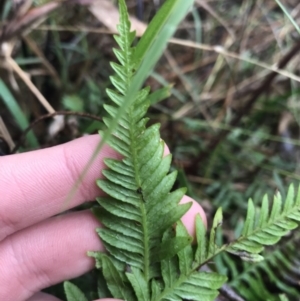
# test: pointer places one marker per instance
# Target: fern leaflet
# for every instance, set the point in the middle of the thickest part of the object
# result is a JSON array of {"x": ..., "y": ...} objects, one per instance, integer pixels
[{"x": 268, "y": 227}]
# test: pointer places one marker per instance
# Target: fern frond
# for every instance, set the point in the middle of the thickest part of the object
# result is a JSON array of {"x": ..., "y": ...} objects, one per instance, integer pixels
[
  {"x": 182, "y": 280},
  {"x": 259, "y": 230},
  {"x": 281, "y": 268},
  {"x": 268, "y": 226},
  {"x": 139, "y": 207}
]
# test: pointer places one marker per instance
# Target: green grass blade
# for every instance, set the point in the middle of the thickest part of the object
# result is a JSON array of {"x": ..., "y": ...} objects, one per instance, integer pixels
[
  {"x": 169, "y": 15},
  {"x": 288, "y": 15},
  {"x": 17, "y": 113}
]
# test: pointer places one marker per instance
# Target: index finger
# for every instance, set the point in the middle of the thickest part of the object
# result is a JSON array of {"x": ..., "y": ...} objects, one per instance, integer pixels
[{"x": 35, "y": 185}]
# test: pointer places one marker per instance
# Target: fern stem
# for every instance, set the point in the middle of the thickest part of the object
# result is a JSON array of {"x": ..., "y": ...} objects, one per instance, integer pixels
[
  {"x": 146, "y": 243},
  {"x": 133, "y": 149}
]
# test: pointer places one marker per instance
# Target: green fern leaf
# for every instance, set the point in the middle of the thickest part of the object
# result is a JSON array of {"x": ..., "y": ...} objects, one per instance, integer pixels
[
  {"x": 169, "y": 266},
  {"x": 139, "y": 207},
  {"x": 73, "y": 293},
  {"x": 139, "y": 210},
  {"x": 139, "y": 284},
  {"x": 268, "y": 227},
  {"x": 278, "y": 266},
  {"x": 283, "y": 298},
  {"x": 218, "y": 219},
  {"x": 182, "y": 279},
  {"x": 155, "y": 290},
  {"x": 185, "y": 255},
  {"x": 169, "y": 248},
  {"x": 115, "y": 281},
  {"x": 200, "y": 286},
  {"x": 201, "y": 251},
  {"x": 160, "y": 94}
]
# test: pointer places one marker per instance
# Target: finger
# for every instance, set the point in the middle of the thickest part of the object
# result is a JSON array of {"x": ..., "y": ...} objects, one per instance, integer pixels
[
  {"x": 189, "y": 218},
  {"x": 39, "y": 182},
  {"x": 47, "y": 253},
  {"x": 35, "y": 185},
  {"x": 50, "y": 252},
  {"x": 166, "y": 150}
]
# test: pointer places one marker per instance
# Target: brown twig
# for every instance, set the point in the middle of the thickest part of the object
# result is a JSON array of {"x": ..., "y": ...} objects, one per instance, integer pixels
[
  {"x": 43, "y": 117},
  {"x": 230, "y": 294},
  {"x": 225, "y": 291}
]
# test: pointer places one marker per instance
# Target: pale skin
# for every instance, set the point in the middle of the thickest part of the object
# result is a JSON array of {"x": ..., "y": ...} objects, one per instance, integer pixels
[{"x": 38, "y": 248}]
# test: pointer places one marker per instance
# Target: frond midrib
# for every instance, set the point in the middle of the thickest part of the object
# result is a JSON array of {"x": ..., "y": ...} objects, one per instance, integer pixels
[{"x": 133, "y": 146}]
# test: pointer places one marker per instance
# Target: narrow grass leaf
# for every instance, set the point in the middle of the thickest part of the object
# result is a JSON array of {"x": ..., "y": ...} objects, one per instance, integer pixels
[{"x": 17, "y": 113}]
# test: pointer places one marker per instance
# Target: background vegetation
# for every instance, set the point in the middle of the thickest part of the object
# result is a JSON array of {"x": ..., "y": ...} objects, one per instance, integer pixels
[{"x": 231, "y": 122}]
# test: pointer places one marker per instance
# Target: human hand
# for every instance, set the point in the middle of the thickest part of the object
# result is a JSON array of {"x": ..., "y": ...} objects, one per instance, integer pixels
[{"x": 37, "y": 248}]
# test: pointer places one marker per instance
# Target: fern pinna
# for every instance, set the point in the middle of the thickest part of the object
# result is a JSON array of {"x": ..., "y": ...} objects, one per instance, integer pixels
[{"x": 147, "y": 257}]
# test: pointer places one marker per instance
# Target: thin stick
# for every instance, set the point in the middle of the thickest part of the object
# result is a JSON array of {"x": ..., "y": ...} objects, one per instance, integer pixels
[
  {"x": 219, "y": 49},
  {"x": 33, "y": 46},
  {"x": 43, "y": 117},
  {"x": 215, "y": 48},
  {"x": 11, "y": 62},
  {"x": 5, "y": 134}
]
